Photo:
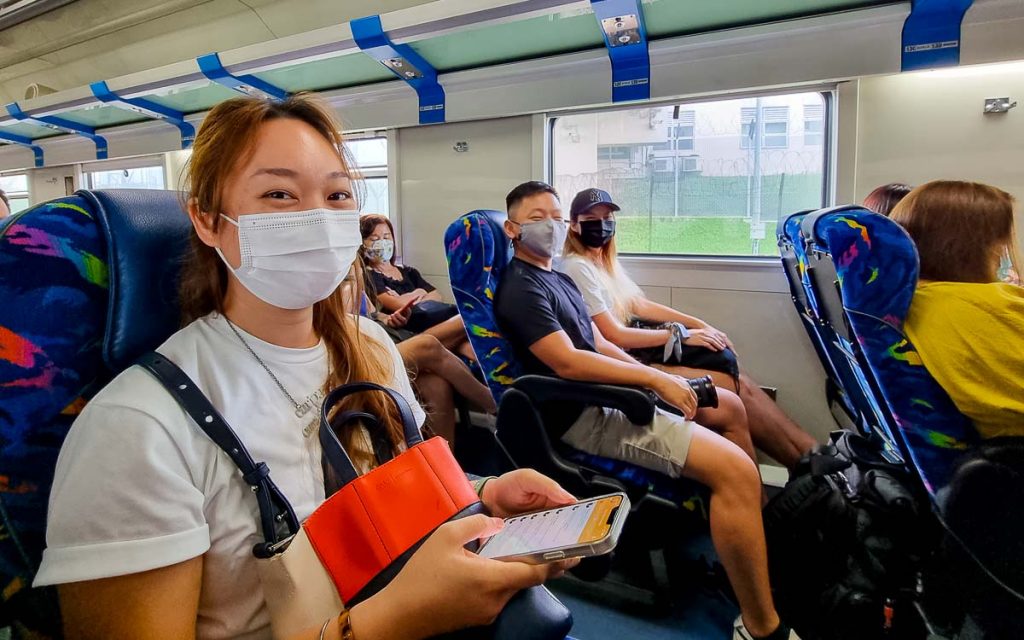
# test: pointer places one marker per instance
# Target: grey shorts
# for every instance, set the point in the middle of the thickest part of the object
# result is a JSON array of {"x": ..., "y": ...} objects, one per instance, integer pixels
[{"x": 660, "y": 446}]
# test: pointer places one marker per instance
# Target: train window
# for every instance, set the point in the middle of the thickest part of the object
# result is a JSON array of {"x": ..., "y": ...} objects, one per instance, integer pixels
[
  {"x": 134, "y": 177},
  {"x": 15, "y": 186},
  {"x": 371, "y": 156},
  {"x": 706, "y": 178}
]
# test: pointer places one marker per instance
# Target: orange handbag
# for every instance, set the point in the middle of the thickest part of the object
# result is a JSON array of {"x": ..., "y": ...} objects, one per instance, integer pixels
[{"x": 366, "y": 531}]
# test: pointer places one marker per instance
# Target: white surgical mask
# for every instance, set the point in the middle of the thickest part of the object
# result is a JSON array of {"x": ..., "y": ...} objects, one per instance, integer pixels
[
  {"x": 294, "y": 259},
  {"x": 544, "y": 237}
]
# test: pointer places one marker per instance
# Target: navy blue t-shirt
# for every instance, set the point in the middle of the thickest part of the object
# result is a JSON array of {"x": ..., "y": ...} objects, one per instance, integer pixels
[{"x": 531, "y": 304}]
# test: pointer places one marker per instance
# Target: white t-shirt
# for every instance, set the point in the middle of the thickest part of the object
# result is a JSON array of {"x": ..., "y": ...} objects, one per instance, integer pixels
[
  {"x": 139, "y": 486},
  {"x": 584, "y": 273}
]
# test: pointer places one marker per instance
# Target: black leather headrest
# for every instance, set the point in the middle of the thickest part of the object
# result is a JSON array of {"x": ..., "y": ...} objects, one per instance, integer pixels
[{"x": 147, "y": 233}]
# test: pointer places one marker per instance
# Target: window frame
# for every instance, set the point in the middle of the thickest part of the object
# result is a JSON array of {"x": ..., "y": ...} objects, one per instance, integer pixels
[
  {"x": 389, "y": 171},
  {"x": 385, "y": 171},
  {"x": 19, "y": 195},
  {"x": 86, "y": 169},
  {"x": 829, "y": 95}
]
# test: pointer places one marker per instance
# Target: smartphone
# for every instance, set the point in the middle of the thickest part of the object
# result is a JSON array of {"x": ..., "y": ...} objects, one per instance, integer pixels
[{"x": 588, "y": 528}]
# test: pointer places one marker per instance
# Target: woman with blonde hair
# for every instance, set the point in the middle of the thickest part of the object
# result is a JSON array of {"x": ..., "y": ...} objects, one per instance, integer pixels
[
  {"x": 663, "y": 337},
  {"x": 967, "y": 326},
  {"x": 151, "y": 528}
]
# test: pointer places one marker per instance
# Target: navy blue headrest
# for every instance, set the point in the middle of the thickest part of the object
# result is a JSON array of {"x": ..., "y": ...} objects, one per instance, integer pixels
[
  {"x": 502, "y": 246},
  {"x": 147, "y": 234}
]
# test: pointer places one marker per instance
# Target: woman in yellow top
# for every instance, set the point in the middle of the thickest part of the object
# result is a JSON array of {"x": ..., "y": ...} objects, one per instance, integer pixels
[{"x": 968, "y": 326}]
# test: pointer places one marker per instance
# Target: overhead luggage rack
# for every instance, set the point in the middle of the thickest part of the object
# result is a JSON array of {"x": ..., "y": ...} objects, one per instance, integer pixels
[{"x": 435, "y": 38}]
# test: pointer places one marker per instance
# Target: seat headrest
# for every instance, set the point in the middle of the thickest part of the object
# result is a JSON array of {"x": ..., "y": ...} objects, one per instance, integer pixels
[
  {"x": 147, "y": 234},
  {"x": 502, "y": 245},
  {"x": 478, "y": 252},
  {"x": 875, "y": 259}
]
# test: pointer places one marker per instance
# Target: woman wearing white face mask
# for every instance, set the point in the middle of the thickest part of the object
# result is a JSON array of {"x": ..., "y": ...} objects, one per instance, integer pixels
[
  {"x": 151, "y": 527},
  {"x": 401, "y": 290}
]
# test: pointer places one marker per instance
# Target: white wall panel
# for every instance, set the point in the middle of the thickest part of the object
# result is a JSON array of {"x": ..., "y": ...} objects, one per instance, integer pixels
[
  {"x": 929, "y": 126},
  {"x": 438, "y": 184}
]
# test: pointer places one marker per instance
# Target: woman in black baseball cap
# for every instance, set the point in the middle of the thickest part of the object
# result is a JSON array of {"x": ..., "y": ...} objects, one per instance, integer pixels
[{"x": 662, "y": 336}]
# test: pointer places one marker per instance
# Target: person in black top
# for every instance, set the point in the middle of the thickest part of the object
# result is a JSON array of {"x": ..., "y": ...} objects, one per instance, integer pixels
[
  {"x": 402, "y": 290},
  {"x": 543, "y": 315}
]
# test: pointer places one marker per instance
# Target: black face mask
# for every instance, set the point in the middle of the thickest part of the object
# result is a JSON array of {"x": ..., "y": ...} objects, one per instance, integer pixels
[{"x": 597, "y": 233}]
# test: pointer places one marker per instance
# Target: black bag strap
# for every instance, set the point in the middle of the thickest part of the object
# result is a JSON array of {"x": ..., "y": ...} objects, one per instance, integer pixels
[
  {"x": 334, "y": 453},
  {"x": 277, "y": 519}
]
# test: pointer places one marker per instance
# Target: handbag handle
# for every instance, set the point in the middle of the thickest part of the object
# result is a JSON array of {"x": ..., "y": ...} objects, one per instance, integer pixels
[{"x": 334, "y": 453}]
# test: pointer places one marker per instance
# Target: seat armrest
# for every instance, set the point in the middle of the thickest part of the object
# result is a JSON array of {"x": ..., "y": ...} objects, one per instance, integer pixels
[{"x": 638, "y": 404}]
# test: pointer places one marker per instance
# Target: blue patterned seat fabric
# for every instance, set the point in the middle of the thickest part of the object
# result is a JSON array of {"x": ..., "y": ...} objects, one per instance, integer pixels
[
  {"x": 478, "y": 253},
  {"x": 877, "y": 267},
  {"x": 837, "y": 354},
  {"x": 54, "y": 283}
]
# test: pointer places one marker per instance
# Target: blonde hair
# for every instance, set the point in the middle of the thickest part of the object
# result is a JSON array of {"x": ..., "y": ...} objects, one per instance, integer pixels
[
  {"x": 620, "y": 287},
  {"x": 225, "y": 139},
  {"x": 961, "y": 229}
]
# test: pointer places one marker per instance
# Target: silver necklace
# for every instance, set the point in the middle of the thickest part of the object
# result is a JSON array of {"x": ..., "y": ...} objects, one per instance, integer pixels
[{"x": 301, "y": 408}]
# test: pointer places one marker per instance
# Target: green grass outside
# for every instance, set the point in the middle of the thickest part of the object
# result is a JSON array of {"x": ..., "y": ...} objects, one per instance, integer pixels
[{"x": 691, "y": 235}]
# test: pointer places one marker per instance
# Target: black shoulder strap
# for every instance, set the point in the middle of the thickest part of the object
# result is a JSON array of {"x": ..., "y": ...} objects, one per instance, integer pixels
[{"x": 277, "y": 518}]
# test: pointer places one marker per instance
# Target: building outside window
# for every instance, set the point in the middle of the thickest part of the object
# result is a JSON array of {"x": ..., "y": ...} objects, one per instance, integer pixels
[
  {"x": 698, "y": 178},
  {"x": 814, "y": 124},
  {"x": 15, "y": 186},
  {"x": 774, "y": 125}
]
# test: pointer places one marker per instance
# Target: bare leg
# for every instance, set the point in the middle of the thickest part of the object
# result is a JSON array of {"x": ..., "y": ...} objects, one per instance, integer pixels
[
  {"x": 437, "y": 395},
  {"x": 736, "y": 527},
  {"x": 452, "y": 334},
  {"x": 771, "y": 429},
  {"x": 427, "y": 354},
  {"x": 729, "y": 419}
]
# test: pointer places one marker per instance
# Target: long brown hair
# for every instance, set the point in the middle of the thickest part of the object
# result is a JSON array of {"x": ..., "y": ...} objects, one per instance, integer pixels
[
  {"x": 961, "y": 229},
  {"x": 225, "y": 139},
  {"x": 620, "y": 286}
]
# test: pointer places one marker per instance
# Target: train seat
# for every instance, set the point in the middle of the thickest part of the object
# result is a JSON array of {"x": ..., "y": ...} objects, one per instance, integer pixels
[
  {"x": 73, "y": 316},
  {"x": 838, "y": 354},
  {"x": 974, "y": 484},
  {"x": 863, "y": 270},
  {"x": 478, "y": 252},
  {"x": 794, "y": 263}
]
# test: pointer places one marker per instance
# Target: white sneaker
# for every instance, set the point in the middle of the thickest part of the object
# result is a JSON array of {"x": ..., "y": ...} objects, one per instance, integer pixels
[{"x": 739, "y": 631}]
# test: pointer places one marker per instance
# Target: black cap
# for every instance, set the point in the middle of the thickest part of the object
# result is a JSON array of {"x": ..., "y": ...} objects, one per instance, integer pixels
[{"x": 589, "y": 198}]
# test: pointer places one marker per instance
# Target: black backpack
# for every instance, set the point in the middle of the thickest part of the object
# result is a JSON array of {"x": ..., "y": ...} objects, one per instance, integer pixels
[{"x": 846, "y": 538}]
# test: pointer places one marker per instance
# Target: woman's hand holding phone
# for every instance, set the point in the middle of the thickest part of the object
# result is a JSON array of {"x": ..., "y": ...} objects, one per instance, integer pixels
[
  {"x": 400, "y": 318},
  {"x": 465, "y": 589}
]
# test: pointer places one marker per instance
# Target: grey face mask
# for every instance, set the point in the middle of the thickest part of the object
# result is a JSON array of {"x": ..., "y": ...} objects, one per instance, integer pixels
[{"x": 544, "y": 238}]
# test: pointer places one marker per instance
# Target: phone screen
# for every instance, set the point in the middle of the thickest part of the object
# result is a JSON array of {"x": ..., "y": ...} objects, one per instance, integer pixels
[{"x": 578, "y": 524}]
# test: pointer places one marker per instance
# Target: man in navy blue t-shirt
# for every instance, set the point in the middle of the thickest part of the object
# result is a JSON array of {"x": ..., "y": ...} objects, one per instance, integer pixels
[{"x": 543, "y": 315}]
